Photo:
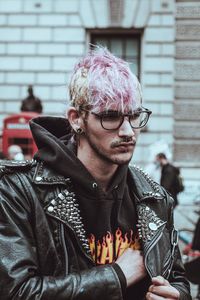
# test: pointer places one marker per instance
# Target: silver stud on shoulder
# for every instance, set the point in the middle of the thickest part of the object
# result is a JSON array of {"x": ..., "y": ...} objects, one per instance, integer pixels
[
  {"x": 156, "y": 191},
  {"x": 66, "y": 208}
]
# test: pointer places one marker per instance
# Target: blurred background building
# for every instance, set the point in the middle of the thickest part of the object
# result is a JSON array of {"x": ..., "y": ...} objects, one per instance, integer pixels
[{"x": 40, "y": 40}]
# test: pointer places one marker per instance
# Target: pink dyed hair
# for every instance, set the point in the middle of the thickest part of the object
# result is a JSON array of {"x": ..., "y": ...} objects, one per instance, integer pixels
[{"x": 102, "y": 80}]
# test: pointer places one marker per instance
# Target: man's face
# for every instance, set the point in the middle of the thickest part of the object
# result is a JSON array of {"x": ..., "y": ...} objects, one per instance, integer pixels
[{"x": 114, "y": 146}]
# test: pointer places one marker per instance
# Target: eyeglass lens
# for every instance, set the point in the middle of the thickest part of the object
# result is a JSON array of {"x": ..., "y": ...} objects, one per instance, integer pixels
[{"x": 137, "y": 120}]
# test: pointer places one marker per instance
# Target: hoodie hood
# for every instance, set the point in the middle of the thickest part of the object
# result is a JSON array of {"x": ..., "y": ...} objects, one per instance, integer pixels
[{"x": 57, "y": 148}]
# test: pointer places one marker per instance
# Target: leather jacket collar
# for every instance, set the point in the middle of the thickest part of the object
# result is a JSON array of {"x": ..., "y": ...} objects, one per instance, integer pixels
[
  {"x": 45, "y": 176},
  {"x": 145, "y": 187}
]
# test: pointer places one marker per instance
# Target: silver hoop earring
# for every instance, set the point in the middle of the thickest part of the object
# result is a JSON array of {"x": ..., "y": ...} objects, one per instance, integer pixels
[{"x": 79, "y": 131}]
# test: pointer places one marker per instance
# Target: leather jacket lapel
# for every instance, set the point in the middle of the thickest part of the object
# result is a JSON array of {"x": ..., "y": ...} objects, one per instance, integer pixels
[
  {"x": 65, "y": 208},
  {"x": 150, "y": 229}
]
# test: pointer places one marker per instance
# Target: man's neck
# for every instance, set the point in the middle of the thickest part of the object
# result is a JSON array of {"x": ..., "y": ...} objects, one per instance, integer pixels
[{"x": 100, "y": 169}]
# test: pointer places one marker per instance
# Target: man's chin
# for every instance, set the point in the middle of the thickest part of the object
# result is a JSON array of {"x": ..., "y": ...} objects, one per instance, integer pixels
[{"x": 122, "y": 159}]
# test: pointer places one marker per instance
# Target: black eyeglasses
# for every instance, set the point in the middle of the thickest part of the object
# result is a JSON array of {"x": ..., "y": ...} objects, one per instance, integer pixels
[{"x": 112, "y": 120}]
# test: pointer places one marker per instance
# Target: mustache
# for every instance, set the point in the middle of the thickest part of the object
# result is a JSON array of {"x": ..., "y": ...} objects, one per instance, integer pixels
[{"x": 122, "y": 141}]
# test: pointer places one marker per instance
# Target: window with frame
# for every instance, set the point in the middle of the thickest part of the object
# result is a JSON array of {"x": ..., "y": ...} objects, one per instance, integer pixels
[{"x": 126, "y": 46}]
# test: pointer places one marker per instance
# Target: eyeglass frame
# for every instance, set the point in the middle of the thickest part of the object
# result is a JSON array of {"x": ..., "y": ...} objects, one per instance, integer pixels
[{"x": 129, "y": 115}]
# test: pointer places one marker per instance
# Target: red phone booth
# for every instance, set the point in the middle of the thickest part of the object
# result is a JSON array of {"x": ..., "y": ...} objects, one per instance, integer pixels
[{"x": 16, "y": 131}]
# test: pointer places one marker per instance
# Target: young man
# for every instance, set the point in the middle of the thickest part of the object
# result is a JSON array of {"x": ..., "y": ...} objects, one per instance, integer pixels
[{"x": 77, "y": 223}]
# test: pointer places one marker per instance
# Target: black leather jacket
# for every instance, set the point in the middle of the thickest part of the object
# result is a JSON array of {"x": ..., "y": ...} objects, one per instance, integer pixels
[{"x": 44, "y": 252}]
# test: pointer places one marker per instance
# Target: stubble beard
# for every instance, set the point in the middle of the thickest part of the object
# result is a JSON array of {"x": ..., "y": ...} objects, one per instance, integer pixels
[{"x": 106, "y": 157}]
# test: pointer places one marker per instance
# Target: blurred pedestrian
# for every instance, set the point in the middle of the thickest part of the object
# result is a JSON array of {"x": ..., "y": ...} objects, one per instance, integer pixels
[
  {"x": 153, "y": 169},
  {"x": 31, "y": 103},
  {"x": 15, "y": 152},
  {"x": 170, "y": 177}
]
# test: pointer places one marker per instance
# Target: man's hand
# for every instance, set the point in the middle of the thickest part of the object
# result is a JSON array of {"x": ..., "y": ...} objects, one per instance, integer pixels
[
  {"x": 161, "y": 289},
  {"x": 132, "y": 265}
]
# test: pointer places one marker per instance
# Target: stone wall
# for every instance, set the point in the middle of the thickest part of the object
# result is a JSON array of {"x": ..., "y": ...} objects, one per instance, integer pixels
[
  {"x": 40, "y": 42},
  {"x": 158, "y": 49},
  {"x": 187, "y": 92}
]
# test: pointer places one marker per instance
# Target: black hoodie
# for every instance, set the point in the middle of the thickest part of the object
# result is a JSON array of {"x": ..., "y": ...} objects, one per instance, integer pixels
[{"x": 109, "y": 218}]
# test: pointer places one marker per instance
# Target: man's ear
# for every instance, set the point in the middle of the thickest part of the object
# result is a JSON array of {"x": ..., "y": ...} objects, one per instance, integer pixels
[{"x": 74, "y": 118}]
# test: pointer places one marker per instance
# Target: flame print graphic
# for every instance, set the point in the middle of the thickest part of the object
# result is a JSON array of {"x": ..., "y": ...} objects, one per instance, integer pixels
[{"x": 112, "y": 246}]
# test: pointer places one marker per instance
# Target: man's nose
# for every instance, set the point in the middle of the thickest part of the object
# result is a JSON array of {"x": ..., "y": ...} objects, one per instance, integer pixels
[{"x": 126, "y": 129}]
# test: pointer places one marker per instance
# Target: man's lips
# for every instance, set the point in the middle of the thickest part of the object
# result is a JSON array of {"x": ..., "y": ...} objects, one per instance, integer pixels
[{"x": 123, "y": 144}]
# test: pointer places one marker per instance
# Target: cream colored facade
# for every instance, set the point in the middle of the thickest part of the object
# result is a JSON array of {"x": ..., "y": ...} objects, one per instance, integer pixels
[{"x": 41, "y": 40}]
